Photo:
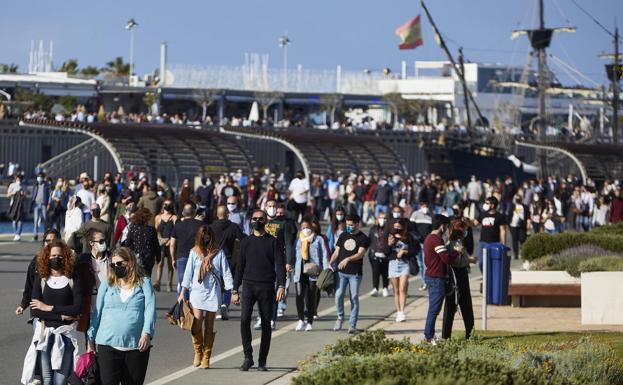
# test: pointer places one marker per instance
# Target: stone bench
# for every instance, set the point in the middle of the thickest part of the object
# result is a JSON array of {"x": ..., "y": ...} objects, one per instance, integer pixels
[{"x": 534, "y": 294}]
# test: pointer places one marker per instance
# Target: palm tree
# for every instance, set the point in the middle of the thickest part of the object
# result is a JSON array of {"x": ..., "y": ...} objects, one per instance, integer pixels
[
  {"x": 89, "y": 71},
  {"x": 8, "y": 68},
  {"x": 70, "y": 66},
  {"x": 117, "y": 67}
]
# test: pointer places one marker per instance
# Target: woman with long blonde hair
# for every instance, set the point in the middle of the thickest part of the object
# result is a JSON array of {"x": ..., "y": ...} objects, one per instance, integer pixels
[
  {"x": 207, "y": 275},
  {"x": 123, "y": 347}
]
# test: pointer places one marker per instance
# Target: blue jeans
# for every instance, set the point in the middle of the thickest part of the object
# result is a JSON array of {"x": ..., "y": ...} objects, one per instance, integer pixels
[
  {"x": 56, "y": 377},
  {"x": 17, "y": 227},
  {"x": 86, "y": 217},
  {"x": 420, "y": 262},
  {"x": 40, "y": 214},
  {"x": 283, "y": 305},
  {"x": 436, "y": 293},
  {"x": 227, "y": 294},
  {"x": 380, "y": 208},
  {"x": 180, "y": 266},
  {"x": 353, "y": 281},
  {"x": 359, "y": 208}
]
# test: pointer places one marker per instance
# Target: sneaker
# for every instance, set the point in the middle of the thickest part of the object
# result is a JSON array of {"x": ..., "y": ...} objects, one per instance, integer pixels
[
  {"x": 273, "y": 325},
  {"x": 374, "y": 292},
  {"x": 316, "y": 317},
  {"x": 400, "y": 317},
  {"x": 308, "y": 328},
  {"x": 299, "y": 326},
  {"x": 338, "y": 325},
  {"x": 258, "y": 324},
  {"x": 35, "y": 238},
  {"x": 17, "y": 237},
  {"x": 262, "y": 368},
  {"x": 224, "y": 312},
  {"x": 423, "y": 287},
  {"x": 218, "y": 316},
  {"x": 432, "y": 341},
  {"x": 279, "y": 313},
  {"x": 385, "y": 292},
  {"x": 352, "y": 330},
  {"x": 246, "y": 364}
]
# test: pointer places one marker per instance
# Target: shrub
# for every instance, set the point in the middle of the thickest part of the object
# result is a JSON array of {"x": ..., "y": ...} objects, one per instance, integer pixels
[
  {"x": 569, "y": 259},
  {"x": 605, "y": 263},
  {"x": 542, "y": 244},
  {"x": 616, "y": 229}
]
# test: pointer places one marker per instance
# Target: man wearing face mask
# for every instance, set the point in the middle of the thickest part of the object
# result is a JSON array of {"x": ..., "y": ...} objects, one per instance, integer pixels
[
  {"x": 260, "y": 264},
  {"x": 87, "y": 197},
  {"x": 205, "y": 193},
  {"x": 39, "y": 203},
  {"x": 382, "y": 196},
  {"x": 493, "y": 228},
  {"x": 423, "y": 221},
  {"x": 349, "y": 251},
  {"x": 151, "y": 201},
  {"x": 236, "y": 215},
  {"x": 226, "y": 233},
  {"x": 95, "y": 223},
  {"x": 92, "y": 266}
]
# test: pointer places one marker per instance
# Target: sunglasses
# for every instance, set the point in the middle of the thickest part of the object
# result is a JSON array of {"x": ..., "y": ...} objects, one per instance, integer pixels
[
  {"x": 101, "y": 241},
  {"x": 118, "y": 264},
  {"x": 257, "y": 219}
]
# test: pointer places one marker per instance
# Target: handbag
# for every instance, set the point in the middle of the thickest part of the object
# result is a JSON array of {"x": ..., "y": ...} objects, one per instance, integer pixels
[
  {"x": 414, "y": 268},
  {"x": 187, "y": 318},
  {"x": 311, "y": 269}
]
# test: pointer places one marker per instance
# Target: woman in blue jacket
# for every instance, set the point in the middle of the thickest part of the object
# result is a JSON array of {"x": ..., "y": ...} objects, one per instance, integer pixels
[
  {"x": 207, "y": 271},
  {"x": 310, "y": 250},
  {"x": 123, "y": 322}
]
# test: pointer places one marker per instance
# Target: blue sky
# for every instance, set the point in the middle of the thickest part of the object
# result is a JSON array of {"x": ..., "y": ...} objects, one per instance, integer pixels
[{"x": 357, "y": 34}]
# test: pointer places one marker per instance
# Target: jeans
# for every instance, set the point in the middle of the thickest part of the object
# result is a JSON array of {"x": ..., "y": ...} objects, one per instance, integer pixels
[
  {"x": 56, "y": 377},
  {"x": 180, "y": 266},
  {"x": 86, "y": 217},
  {"x": 117, "y": 366},
  {"x": 227, "y": 293},
  {"x": 40, "y": 214},
  {"x": 353, "y": 281},
  {"x": 264, "y": 295},
  {"x": 380, "y": 208},
  {"x": 436, "y": 294},
  {"x": 359, "y": 208},
  {"x": 17, "y": 227},
  {"x": 420, "y": 263},
  {"x": 283, "y": 303}
]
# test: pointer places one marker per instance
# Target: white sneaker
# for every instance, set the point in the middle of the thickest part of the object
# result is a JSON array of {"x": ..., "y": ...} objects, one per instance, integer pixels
[
  {"x": 374, "y": 292},
  {"x": 299, "y": 326},
  {"x": 400, "y": 317},
  {"x": 17, "y": 237},
  {"x": 308, "y": 328},
  {"x": 273, "y": 325},
  {"x": 258, "y": 324},
  {"x": 224, "y": 312},
  {"x": 385, "y": 292},
  {"x": 279, "y": 313},
  {"x": 423, "y": 287}
]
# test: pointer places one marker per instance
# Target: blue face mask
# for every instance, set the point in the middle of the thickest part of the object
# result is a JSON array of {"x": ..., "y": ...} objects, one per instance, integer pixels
[{"x": 350, "y": 229}]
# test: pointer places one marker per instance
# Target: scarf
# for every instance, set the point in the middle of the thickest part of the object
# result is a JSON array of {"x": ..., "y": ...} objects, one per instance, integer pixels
[
  {"x": 206, "y": 265},
  {"x": 305, "y": 242}
]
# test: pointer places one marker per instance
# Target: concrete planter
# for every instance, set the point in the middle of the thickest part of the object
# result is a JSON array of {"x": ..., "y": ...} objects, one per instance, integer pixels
[
  {"x": 543, "y": 277},
  {"x": 602, "y": 302}
]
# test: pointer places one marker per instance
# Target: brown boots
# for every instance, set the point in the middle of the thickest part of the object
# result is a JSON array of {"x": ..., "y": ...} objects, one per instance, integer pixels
[
  {"x": 198, "y": 346},
  {"x": 208, "y": 342}
]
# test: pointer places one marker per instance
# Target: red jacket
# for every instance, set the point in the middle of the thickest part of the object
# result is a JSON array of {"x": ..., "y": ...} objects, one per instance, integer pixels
[
  {"x": 121, "y": 224},
  {"x": 436, "y": 256},
  {"x": 616, "y": 210}
]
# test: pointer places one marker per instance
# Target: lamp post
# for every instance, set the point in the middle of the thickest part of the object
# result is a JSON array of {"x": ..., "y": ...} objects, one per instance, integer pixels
[
  {"x": 284, "y": 41},
  {"x": 130, "y": 26}
]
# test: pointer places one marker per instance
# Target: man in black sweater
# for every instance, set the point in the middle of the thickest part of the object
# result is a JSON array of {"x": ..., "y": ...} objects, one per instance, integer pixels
[{"x": 260, "y": 264}]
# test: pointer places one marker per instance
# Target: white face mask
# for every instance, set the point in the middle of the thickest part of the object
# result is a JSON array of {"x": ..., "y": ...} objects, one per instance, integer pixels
[
  {"x": 339, "y": 217},
  {"x": 271, "y": 211},
  {"x": 307, "y": 232},
  {"x": 231, "y": 207},
  {"x": 382, "y": 222},
  {"x": 39, "y": 179},
  {"x": 101, "y": 247},
  {"x": 424, "y": 210},
  {"x": 486, "y": 207},
  {"x": 396, "y": 215},
  {"x": 160, "y": 193}
]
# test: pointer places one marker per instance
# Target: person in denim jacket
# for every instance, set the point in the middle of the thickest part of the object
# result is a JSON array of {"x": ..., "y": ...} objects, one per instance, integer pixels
[
  {"x": 310, "y": 248},
  {"x": 123, "y": 347}
]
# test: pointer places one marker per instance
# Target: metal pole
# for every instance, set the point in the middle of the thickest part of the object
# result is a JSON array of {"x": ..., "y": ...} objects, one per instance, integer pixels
[
  {"x": 465, "y": 96},
  {"x": 615, "y": 89},
  {"x": 95, "y": 167},
  {"x": 131, "y": 53},
  {"x": 542, "y": 88},
  {"x": 484, "y": 289},
  {"x": 285, "y": 67}
]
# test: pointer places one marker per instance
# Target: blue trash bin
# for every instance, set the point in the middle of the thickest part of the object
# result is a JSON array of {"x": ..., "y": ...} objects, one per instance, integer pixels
[{"x": 498, "y": 274}]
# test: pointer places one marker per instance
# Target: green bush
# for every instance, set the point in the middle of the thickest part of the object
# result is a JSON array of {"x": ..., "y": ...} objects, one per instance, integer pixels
[
  {"x": 542, "y": 244},
  {"x": 605, "y": 263},
  {"x": 616, "y": 229},
  {"x": 569, "y": 260},
  {"x": 472, "y": 362}
]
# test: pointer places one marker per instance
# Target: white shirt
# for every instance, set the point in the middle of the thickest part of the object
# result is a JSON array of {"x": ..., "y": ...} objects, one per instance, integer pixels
[
  {"x": 299, "y": 188},
  {"x": 87, "y": 197},
  {"x": 73, "y": 221}
]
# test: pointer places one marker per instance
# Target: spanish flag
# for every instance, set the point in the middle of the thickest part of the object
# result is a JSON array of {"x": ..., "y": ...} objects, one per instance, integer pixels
[{"x": 410, "y": 34}]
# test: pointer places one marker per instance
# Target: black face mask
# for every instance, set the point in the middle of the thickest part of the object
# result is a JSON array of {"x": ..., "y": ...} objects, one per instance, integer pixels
[
  {"x": 258, "y": 226},
  {"x": 96, "y": 213},
  {"x": 121, "y": 271},
  {"x": 56, "y": 263},
  {"x": 456, "y": 213},
  {"x": 168, "y": 208}
]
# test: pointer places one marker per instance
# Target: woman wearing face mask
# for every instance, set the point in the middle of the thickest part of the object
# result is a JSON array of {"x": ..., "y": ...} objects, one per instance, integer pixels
[
  {"x": 73, "y": 218},
  {"x": 338, "y": 224},
  {"x": 165, "y": 221},
  {"x": 517, "y": 222},
  {"x": 459, "y": 277},
  {"x": 536, "y": 214},
  {"x": 325, "y": 242},
  {"x": 58, "y": 204},
  {"x": 56, "y": 303},
  {"x": 400, "y": 247},
  {"x": 142, "y": 239},
  {"x": 123, "y": 347},
  {"x": 103, "y": 199},
  {"x": 310, "y": 249},
  {"x": 377, "y": 255},
  {"x": 206, "y": 272}
]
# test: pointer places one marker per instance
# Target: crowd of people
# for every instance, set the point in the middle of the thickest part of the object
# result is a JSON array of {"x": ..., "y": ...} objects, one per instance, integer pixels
[{"x": 245, "y": 239}]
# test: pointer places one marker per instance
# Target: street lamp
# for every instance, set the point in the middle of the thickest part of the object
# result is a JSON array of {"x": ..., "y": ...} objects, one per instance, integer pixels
[
  {"x": 131, "y": 25},
  {"x": 283, "y": 43}
]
